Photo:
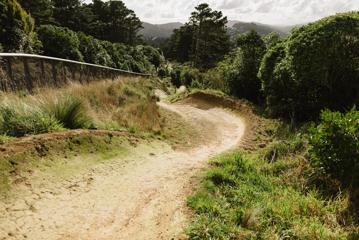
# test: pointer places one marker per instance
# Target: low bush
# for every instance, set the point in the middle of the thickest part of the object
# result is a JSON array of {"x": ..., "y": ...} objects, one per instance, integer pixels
[{"x": 335, "y": 146}]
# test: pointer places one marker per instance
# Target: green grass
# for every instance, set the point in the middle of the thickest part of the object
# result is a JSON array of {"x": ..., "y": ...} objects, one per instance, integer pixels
[
  {"x": 20, "y": 120},
  {"x": 267, "y": 194},
  {"x": 69, "y": 111}
]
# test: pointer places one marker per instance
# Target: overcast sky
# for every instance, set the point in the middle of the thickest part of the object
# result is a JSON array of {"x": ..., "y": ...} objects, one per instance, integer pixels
[{"x": 279, "y": 12}]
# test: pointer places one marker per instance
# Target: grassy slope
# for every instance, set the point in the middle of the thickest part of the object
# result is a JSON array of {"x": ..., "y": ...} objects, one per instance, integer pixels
[{"x": 267, "y": 193}]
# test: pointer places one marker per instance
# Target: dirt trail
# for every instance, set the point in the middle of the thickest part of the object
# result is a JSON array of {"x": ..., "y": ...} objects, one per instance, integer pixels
[{"x": 140, "y": 197}]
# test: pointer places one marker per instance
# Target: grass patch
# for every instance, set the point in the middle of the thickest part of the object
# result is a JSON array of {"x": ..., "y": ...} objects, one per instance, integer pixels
[{"x": 267, "y": 193}]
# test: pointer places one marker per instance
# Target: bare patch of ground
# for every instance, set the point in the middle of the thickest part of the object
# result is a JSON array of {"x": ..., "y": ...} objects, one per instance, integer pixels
[{"x": 139, "y": 193}]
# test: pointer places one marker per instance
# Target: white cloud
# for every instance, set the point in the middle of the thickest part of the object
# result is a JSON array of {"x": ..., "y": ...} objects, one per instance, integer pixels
[{"x": 280, "y": 12}]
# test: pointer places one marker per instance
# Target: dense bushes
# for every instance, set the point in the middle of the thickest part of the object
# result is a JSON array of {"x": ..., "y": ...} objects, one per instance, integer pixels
[
  {"x": 335, "y": 146},
  {"x": 93, "y": 51},
  {"x": 314, "y": 68},
  {"x": 60, "y": 42},
  {"x": 82, "y": 47}
]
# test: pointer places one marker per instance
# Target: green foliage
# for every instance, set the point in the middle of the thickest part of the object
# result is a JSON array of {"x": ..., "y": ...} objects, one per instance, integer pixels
[
  {"x": 93, "y": 51},
  {"x": 82, "y": 47},
  {"x": 203, "y": 40},
  {"x": 22, "y": 120},
  {"x": 60, "y": 42},
  {"x": 17, "y": 28},
  {"x": 40, "y": 10},
  {"x": 153, "y": 55},
  {"x": 239, "y": 69},
  {"x": 314, "y": 68},
  {"x": 176, "y": 77},
  {"x": 189, "y": 75},
  {"x": 335, "y": 146},
  {"x": 70, "y": 112},
  {"x": 244, "y": 197},
  {"x": 111, "y": 20},
  {"x": 271, "y": 39}
]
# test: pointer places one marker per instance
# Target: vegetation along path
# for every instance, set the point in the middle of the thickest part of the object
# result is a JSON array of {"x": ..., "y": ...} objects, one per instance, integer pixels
[{"x": 141, "y": 195}]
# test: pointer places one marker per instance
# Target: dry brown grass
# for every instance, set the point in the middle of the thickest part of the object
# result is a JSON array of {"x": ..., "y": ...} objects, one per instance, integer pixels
[{"x": 111, "y": 105}]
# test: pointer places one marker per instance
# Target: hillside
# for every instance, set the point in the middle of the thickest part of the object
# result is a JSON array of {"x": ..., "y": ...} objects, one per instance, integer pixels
[
  {"x": 155, "y": 34},
  {"x": 239, "y": 28},
  {"x": 158, "y": 30}
]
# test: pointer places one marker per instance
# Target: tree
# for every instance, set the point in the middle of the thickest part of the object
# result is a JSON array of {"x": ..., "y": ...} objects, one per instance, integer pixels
[
  {"x": 314, "y": 68},
  {"x": 17, "y": 28},
  {"x": 211, "y": 40},
  {"x": 240, "y": 68},
  {"x": 40, "y": 10},
  {"x": 66, "y": 13},
  {"x": 114, "y": 22},
  {"x": 203, "y": 40},
  {"x": 179, "y": 46}
]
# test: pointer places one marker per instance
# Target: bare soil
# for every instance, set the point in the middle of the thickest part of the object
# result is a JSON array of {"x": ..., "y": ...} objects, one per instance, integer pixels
[{"x": 138, "y": 195}]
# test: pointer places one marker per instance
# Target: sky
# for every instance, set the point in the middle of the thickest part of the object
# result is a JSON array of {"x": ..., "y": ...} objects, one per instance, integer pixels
[{"x": 277, "y": 12}]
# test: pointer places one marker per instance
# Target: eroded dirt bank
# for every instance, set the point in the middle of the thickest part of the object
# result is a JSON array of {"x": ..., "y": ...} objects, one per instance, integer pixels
[{"x": 137, "y": 195}]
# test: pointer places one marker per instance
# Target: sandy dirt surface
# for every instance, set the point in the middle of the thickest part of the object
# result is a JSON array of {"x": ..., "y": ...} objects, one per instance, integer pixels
[{"x": 138, "y": 196}]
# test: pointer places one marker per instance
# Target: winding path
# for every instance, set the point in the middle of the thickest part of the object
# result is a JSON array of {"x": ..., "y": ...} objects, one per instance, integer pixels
[{"x": 140, "y": 197}]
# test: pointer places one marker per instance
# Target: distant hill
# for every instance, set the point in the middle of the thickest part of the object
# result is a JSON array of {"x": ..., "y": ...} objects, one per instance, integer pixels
[
  {"x": 155, "y": 34},
  {"x": 239, "y": 28},
  {"x": 159, "y": 30}
]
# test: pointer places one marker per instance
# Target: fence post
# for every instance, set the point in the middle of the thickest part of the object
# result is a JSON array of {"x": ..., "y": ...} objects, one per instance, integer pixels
[{"x": 28, "y": 78}]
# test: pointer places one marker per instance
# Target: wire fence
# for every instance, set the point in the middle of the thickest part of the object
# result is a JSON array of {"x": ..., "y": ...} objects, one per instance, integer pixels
[{"x": 26, "y": 72}]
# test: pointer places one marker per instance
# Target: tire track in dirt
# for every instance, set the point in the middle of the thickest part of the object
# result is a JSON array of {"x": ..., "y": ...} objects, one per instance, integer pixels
[{"x": 143, "y": 198}]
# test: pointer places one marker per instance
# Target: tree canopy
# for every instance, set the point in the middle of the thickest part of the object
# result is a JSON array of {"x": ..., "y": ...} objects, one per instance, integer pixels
[
  {"x": 203, "y": 40},
  {"x": 16, "y": 28},
  {"x": 316, "y": 67}
]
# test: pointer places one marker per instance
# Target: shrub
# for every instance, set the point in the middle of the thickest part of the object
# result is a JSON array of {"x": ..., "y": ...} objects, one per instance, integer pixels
[
  {"x": 314, "y": 68},
  {"x": 335, "y": 146},
  {"x": 176, "y": 77},
  {"x": 153, "y": 55},
  {"x": 60, "y": 42},
  {"x": 190, "y": 75},
  {"x": 93, "y": 51},
  {"x": 69, "y": 111}
]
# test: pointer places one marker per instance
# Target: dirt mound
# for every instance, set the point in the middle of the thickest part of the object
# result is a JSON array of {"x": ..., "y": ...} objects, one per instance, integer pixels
[{"x": 38, "y": 142}]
